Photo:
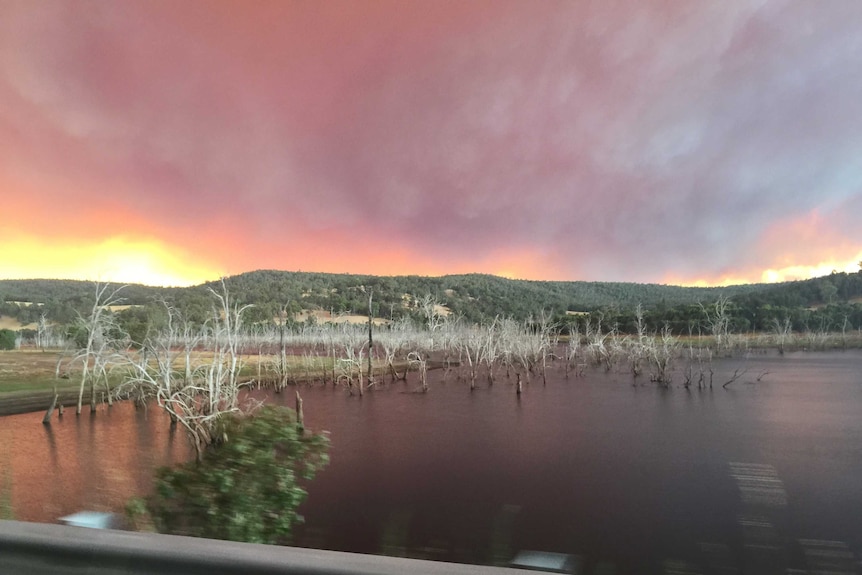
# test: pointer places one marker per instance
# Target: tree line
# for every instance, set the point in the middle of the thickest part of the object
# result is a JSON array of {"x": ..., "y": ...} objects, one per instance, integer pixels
[{"x": 827, "y": 303}]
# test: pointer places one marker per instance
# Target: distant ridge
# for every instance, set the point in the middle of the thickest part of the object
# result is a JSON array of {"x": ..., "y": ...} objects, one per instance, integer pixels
[
  {"x": 475, "y": 296},
  {"x": 42, "y": 290}
]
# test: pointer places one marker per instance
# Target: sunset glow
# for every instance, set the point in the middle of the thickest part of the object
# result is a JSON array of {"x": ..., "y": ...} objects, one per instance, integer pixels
[
  {"x": 114, "y": 259},
  {"x": 783, "y": 274},
  {"x": 805, "y": 272},
  {"x": 173, "y": 142}
]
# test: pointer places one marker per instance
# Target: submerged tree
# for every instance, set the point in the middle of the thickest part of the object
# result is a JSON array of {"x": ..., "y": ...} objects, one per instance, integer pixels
[
  {"x": 98, "y": 343},
  {"x": 210, "y": 386},
  {"x": 717, "y": 316},
  {"x": 248, "y": 486}
]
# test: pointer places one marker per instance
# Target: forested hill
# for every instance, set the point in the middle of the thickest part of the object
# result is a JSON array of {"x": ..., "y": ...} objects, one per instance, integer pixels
[
  {"x": 63, "y": 300},
  {"x": 45, "y": 290},
  {"x": 836, "y": 288},
  {"x": 475, "y": 296}
]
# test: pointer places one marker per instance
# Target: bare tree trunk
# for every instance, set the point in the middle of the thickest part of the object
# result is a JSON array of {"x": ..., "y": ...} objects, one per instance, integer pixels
[
  {"x": 108, "y": 392},
  {"x": 98, "y": 326},
  {"x": 282, "y": 351},
  {"x": 370, "y": 338},
  {"x": 300, "y": 424},
  {"x": 81, "y": 390},
  {"x": 544, "y": 366},
  {"x": 47, "y": 419},
  {"x": 259, "y": 363}
]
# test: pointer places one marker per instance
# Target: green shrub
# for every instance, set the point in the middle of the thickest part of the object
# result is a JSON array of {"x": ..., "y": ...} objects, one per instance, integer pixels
[
  {"x": 7, "y": 339},
  {"x": 247, "y": 487}
]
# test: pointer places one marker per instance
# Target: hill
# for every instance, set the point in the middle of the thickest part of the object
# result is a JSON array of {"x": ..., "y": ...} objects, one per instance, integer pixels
[
  {"x": 47, "y": 290},
  {"x": 60, "y": 300},
  {"x": 477, "y": 297}
]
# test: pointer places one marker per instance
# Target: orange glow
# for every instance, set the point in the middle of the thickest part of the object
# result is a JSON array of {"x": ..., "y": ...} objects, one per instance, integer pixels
[
  {"x": 780, "y": 271},
  {"x": 719, "y": 281},
  {"x": 113, "y": 243},
  {"x": 776, "y": 274},
  {"x": 116, "y": 259},
  {"x": 341, "y": 252},
  {"x": 800, "y": 272},
  {"x": 173, "y": 142},
  {"x": 799, "y": 248}
]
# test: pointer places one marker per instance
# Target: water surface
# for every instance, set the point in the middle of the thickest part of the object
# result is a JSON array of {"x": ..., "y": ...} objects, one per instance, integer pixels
[{"x": 637, "y": 477}]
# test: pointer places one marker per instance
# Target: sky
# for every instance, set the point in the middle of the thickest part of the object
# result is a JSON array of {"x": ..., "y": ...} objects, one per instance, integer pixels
[{"x": 170, "y": 143}]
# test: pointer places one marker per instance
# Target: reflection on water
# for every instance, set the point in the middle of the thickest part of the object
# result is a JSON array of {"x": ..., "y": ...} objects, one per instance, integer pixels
[
  {"x": 759, "y": 477},
  {"x": 95, "y": 462}
]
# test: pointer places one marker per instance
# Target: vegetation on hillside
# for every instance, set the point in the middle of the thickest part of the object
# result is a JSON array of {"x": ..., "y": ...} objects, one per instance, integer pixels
[
  {"x": 7, "y": 339},
  {"x": 830, "y": 302},
  {"x": 476, "y": 297}
]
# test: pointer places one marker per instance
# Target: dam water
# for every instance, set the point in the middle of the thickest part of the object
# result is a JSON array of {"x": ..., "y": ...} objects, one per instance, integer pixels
[{"x": 762, "y": 476}]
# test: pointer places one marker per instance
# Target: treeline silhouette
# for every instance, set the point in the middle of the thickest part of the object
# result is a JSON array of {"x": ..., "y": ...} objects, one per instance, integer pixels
[{"x": 826, "y": 303}]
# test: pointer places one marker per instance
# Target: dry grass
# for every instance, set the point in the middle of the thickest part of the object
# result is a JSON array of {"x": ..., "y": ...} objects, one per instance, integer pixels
[
  {"x": 7, "y": 322},
  {"x": 27, "y": 380},
  {"x": 325, "y": 317},
  {"x": 442, "y": 310},
  {"x": 29, "y": 370},
  {"x": 33, "y": 370}
]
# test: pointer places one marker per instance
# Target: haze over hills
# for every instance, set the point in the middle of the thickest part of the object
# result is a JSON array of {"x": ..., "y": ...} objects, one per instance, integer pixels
[{"x": 611, "y": 141}]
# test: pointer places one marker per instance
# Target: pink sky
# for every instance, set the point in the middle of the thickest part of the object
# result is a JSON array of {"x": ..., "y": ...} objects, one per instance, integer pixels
[{"x": 650, "y": 141}]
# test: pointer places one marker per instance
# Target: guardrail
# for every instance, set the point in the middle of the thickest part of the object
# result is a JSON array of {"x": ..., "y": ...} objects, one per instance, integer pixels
[{"x": 35, "y": 548}]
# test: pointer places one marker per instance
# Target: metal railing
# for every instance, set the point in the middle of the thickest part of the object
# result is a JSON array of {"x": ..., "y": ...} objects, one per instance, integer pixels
[{"x": 35, "y": 548}]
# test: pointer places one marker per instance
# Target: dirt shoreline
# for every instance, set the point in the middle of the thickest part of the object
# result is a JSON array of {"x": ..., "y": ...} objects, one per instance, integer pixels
[
  {"x": 35, "y": 401},
  {"x": 18, "y": 402}
]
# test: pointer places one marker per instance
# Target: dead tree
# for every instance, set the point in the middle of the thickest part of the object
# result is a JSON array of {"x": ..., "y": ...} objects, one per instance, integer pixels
[
  {"x": 472, "y": 344},
  {"x": 300, "y": 419},
  {"x": 434, "y": 320},
  {"x": 416, "y": 359},
  {"x": 737, "y": 373},
  {"x": 370, "y": 336},
  {"x": 97, "y": 326},
  {"x": 210, "y": 388},
  {"x": 662, "y": 351},
  {"x": 718, "y": 320},
  {"x": 546, "y": 334},
  {"x": 153, "y": 372},
  {"x": 281, "y": 360},
  {"x": 783, "y": 331},
  {"x": 42, "y": 330}
]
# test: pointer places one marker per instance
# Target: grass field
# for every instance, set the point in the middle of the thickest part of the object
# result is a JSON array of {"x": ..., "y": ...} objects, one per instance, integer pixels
[
  {"x": 27, "y": 376},
  {"x": 326, "y": 317},
  {"x": 7, "y": 322},
  {"x": 29, "y": 370},
  {"x": 27, "y": 381}
]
